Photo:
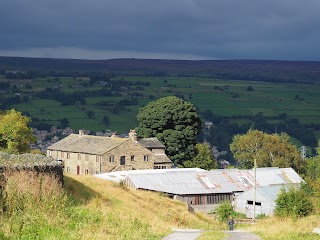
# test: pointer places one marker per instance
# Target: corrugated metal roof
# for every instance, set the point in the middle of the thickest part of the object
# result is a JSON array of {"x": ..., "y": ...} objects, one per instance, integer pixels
[
  {"x": 269, "y": 192},
  {"x": 192, "y": 181},
  {"x": 117, "y": 176},
  {"x": 87, "y": 144}
]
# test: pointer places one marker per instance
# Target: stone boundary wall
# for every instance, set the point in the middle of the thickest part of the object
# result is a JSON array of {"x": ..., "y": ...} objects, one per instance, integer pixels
[{"x": 31, "y": 162}]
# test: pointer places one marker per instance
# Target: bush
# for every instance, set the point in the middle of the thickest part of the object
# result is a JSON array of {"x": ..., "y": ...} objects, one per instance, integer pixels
[
  {"x": 224, "y": 211},
  {"x": 293, "y": 203}
]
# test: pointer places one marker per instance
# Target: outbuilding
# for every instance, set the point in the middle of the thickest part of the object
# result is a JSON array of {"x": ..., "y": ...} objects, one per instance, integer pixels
[{"x": 263, "y": 197}]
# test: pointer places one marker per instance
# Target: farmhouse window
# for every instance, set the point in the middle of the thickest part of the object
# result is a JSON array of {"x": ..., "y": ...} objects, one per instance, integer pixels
[
  {"x": 62, "y": 154},
  {"x": 111, "y": 158},
  {"x": 68, "y": 169},
  {"x": 86, "y": 172},
  {"x": 79, "y": 156},
  {"x": 146, "y": 158},
  {"x": 50, "y": 153},
  {"x": 68, "y": 155},
  {"x": 132, "y": 158},
  {"x": 251, "y": 203}
]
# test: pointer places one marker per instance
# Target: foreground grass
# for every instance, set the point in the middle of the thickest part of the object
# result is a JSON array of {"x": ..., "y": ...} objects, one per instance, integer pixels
[
  {"x": 286, "y": 228},
  {"x": 90, "y": 208},
  {"x": 212, "y": 235}
]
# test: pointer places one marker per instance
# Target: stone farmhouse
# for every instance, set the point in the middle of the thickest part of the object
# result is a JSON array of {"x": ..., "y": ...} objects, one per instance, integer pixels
[{"x": 88, "y": 155}]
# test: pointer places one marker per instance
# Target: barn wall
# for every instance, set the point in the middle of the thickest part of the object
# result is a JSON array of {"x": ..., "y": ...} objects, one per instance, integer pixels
[
  {"x": 205, "y": 199},
  {"x": 241, "y": 204}
]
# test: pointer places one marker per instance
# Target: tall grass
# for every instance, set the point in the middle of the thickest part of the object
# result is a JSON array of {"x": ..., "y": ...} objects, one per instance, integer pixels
[
  {"x": 34, "y": 206},
  {"x": 287, "y": 228},
  {"x": 29, "y": 199}
]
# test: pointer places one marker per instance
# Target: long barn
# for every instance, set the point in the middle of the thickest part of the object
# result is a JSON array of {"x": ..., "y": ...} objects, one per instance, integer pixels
[{"x": 199, "y": 187}]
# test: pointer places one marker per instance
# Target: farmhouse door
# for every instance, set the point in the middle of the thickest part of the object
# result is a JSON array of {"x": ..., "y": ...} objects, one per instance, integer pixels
[
  {"x": 78, "y": 170},
  {"x": 122, "y": 160}
]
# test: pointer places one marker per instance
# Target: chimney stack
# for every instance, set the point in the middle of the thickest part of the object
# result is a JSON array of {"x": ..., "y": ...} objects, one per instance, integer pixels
[
  {"x": 133, "y": 135},
  {"x": 81, "y": 133},
  {"x": 114, "y": 134}
]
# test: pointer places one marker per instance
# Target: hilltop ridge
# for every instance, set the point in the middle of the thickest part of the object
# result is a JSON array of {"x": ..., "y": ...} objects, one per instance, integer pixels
[{"x": 229, "y": 69}]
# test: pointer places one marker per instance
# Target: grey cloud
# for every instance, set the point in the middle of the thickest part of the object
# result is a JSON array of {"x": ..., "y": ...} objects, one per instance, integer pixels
[{"x": 273, "y": 29}]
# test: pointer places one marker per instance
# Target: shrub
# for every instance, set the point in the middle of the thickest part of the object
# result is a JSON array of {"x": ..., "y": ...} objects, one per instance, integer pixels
[
  {"x": 224, "y": 211},
  {"x": 293, "y": 203}
]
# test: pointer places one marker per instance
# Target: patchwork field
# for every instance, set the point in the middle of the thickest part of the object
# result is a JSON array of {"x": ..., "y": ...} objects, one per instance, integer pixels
[{"x": 222, "y": 97}]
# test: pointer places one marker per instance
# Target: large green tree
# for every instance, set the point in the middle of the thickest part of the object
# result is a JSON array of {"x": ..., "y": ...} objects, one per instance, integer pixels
[
  {"x": 175, "y": 123},
  {"x": 15, "y": 134},
  {"x": 203, "y": 159},
  {"x": 269, "y": 150}
]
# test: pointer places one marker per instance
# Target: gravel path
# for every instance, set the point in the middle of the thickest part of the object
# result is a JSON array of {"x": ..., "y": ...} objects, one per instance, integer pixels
[
  {"x": 184, "y": 234},
  {"x": 241, "y": 234}
]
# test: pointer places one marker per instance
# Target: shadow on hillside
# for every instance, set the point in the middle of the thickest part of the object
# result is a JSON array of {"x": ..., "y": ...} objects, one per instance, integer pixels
[{"x": 80, "y": 193}]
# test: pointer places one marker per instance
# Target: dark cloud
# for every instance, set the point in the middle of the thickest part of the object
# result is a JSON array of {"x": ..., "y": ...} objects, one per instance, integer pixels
[{"x": 228, "y": 29}]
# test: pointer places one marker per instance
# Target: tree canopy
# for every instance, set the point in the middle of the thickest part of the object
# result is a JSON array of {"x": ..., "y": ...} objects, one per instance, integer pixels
[
  {"x": 313, "y": 165},
  {"x": 175, "y": 123},
  {"x": 203, "y": 159},
  {"x": 15, "y": 134},
  {"x": 269, "y": 150}
]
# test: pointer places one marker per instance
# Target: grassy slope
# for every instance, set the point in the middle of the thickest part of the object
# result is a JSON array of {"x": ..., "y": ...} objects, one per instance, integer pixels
[
  {"x": 287, "y": 229},
  {"x": 98, "y": 209},
  {"x": 95, "y": 209},
  {"x": 129, "y": 214}
]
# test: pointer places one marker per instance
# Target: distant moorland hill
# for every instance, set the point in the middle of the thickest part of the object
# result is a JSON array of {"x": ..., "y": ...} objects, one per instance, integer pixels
[{"x": 259, "y": 70}]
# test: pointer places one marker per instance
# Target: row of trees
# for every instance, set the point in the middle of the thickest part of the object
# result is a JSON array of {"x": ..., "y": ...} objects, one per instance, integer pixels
[{"x": 221, "y": 134}]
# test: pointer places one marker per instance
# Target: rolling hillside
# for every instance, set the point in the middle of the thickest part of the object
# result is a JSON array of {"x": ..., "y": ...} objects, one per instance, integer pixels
[{"x": 300, "y": 71}]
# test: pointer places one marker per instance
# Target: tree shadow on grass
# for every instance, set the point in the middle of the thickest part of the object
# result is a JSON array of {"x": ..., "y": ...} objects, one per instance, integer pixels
[{"x": 78, "y": 192}]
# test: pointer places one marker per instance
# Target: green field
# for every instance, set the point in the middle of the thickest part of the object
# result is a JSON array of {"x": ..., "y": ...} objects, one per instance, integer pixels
[{"x": 222, "y": 97}]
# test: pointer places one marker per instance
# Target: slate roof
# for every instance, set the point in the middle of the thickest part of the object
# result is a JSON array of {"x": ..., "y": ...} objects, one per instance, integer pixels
[
  {"x": 87, "y": 144},
  {"x": 161, "y": 158},
  {"x": 151, "y": 143}
]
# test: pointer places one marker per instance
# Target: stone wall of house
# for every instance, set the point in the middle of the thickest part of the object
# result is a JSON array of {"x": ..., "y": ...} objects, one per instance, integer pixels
[
  {"x": 135, "y": 157},
  {"x": 163, "y": 165}
]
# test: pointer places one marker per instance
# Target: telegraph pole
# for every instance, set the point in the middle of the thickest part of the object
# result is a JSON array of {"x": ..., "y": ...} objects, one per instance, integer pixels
[{"x": 254, "y": 190}]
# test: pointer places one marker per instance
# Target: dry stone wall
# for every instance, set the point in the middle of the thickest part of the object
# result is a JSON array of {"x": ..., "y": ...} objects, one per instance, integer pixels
[{"x": 31, "y": 162}]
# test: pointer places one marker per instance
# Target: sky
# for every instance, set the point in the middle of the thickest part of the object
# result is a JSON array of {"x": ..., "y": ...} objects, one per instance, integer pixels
[{"x": 161, "y": 29}]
